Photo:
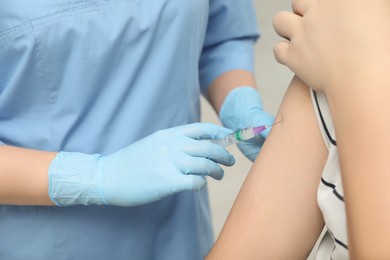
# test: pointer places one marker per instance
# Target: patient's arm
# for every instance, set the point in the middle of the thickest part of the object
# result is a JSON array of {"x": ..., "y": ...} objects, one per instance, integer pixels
[{"x": 275, "y": 215}]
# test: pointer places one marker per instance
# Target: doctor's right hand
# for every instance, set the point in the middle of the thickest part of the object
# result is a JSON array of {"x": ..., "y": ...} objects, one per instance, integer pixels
[{"x": 157, "y": 166}]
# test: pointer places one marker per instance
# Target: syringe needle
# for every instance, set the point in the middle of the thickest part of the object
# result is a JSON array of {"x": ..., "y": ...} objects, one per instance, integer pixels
[{"x": 275, "y": 123}]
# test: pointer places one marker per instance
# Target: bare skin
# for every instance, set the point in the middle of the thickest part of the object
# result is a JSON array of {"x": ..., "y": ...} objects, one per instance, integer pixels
[
  {"x": 349, "y": 61},
  {"x": 276, "y": 215},
  {"x": 23, "y": 176}
]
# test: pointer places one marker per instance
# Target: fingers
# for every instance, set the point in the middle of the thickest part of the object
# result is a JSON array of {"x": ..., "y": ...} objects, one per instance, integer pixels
[
  {"x": 199, "y": 166},
  {"x": 286, "y": 24},
  {"x": 201, "y": 131},
  {"x": 202, "y": 158},
  {"x": 300, "y": 7},
  {"x": 281, "y": 51},
  {"x": 209, "y": 151}
]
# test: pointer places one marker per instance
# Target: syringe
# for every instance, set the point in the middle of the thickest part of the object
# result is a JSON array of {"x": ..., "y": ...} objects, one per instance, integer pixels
[{"x": 241, "y": 135}]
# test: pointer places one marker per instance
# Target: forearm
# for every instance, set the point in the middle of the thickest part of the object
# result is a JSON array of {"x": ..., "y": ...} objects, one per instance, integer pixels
[
  {"x": 225, "y": 83},
  {"x": 361, "y": 115},
  {"x": 24, "y": 176}
]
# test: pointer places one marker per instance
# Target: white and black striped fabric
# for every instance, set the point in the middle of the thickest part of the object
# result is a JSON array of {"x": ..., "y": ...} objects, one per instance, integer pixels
[{"x": 330, "y": 195}]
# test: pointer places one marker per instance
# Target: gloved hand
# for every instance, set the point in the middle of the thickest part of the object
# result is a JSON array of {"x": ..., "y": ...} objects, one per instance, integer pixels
[
  {"x": 162, "y": 164},
  {"x": 243, "y": 108}
]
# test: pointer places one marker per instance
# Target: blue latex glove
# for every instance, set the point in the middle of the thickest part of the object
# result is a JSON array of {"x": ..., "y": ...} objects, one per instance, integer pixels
[
  {"x": 243, "y": 108},
  {"x": 162, "y": 164}
]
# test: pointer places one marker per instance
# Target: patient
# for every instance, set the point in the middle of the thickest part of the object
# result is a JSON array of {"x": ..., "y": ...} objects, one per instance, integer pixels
[
  {"x": 340, "y": 48},
  {"x": 276, "y": 214}
]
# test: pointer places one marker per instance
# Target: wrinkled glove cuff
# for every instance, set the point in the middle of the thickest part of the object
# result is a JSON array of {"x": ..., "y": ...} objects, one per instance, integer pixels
[{"x": 74, "y": 180}]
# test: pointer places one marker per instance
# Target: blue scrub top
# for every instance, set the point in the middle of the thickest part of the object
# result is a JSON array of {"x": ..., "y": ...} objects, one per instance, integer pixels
[{"x": 94, "y": 76}]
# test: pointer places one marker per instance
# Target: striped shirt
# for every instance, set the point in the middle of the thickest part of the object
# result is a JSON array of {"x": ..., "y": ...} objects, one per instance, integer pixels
[{"x": 330, "y": 195}]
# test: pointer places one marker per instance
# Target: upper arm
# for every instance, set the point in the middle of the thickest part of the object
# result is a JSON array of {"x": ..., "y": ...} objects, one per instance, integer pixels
[{"x": 275, "y": 215}]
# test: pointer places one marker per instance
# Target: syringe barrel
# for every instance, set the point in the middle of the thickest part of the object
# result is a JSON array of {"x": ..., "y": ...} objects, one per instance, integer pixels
[{"x": 235, "y": 137}]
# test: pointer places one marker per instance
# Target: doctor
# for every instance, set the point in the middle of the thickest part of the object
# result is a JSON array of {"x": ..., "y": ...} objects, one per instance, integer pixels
[{"x": 98, "y": 108}]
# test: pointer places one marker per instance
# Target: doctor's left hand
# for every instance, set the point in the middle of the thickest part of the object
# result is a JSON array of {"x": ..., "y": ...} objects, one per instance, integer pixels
[{"x": 241, "y": 109}]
